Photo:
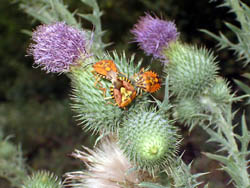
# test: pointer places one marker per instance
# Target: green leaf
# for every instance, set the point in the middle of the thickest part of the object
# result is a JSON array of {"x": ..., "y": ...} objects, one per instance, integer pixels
[
  {"x": 246, "y": 9},
  {"x": 245, "y": 138},
  {"x": 212, "y": 35},
  {"x": 233, "y": 28},
  {"x": 64, "y": 13},
  {"x": 89, "y": 17},
  {"x": 217, "y": 137},
  {"x": 243, "y": 86},
  {"x": 91, "y": 3},
  {"x": 219, "y": 158},
  {"x": 27, "y": 32},
  {"x": 241, "y": 47},
  {"x": 95, "y": 18},
  {"x": 246, "y": 75},
  {"x": 165, "y": 102}
]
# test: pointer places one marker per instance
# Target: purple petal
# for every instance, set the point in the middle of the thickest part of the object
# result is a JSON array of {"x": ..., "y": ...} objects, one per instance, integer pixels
[
  {"x": 57, "y": 46},
  {"x": 154, "y": 34}
]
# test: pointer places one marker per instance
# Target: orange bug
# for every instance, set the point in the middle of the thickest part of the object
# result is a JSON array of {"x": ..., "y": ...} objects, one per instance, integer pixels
[
  {"x": 124, "y": 93},
  {"x": 148, "y": 81},
  {"x": 104, "y": 69}
]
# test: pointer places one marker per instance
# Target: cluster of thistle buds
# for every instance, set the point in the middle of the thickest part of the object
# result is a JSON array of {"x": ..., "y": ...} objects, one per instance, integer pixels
[
  {"x": 123, "y": 91},
  {"x": 145, "y": 135}
]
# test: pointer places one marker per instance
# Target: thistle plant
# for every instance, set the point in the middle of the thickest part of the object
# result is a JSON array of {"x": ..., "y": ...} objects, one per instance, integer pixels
[
  {"x": 138, "y": 143},
  {"x": 241, "y": 47}
]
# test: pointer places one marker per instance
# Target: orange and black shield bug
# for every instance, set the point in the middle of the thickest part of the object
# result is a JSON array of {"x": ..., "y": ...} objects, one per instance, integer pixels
[
  {"x": 122, "y": 91},
  {"x": 148, "y": 81},
  {"x": 123, "y": 94},
  {"x": 104, "y": 69}
]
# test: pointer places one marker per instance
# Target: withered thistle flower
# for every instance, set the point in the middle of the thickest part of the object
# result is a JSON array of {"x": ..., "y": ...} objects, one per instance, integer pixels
[
  {"x": 154, "y": 34},
  {"x": 57, "y": 46},
  {"x": 107, "y": 167}
]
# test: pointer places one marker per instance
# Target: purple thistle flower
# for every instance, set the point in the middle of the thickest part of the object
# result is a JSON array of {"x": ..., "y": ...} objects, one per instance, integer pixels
[
  {"x": 57, "y": 46},
  {"x": 154, "y": 34}
]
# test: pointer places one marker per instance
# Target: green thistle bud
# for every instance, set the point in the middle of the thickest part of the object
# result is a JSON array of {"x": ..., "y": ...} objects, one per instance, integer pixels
[
  {"x": 189, "y": 112},
  {"x": 148, "y": 140},
  {"x": 192, "y": 111},
  {"x": 94, "y": 112},
  {"x": 191, "y": 70},
  {"x": 220, "y": 92},
  {"x": 42, "y": 179}
]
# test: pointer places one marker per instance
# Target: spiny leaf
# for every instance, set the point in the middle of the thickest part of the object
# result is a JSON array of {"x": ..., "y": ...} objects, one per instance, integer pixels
[
  {"x": 243, "y": 86},
  {"x": 95, "y": 19},
  {"x": 242, "y": 46},
  {"x": 246, "y": 75},
  {"x": 64, "y": 13},
  {"x": 89, "y": 17},
  {"x": 217, "y": 137},
  {"x": 219, "y": 158},
  {"x": 182, "y": 176},
  {"x": 245, "y": 138},
  {"x": 233, "y": 27},
  {"x": 164, "y": 106},
  {"x": 91, "y": 3}
]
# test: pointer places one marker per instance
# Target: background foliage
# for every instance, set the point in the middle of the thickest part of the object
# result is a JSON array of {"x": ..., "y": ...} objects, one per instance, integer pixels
[{"x": 34, "y": 107}]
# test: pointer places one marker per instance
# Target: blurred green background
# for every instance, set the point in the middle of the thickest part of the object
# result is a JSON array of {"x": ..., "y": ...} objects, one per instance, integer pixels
[{"x": 35, "y": 106}]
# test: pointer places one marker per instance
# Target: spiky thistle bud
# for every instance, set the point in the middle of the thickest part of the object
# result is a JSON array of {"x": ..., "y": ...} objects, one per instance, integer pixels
[
  {"x": 95, "y": 111},
  {"x": 191, "y": 70},
  {"x": 189, "y": 112},
  {"x": 194, "y": 111},
  {"x": 57, "y": 46},
  {"x": 220, "y": 92},
  {"x": 149, "y": 140},
  {"x": 154, "y": 34},
  {"x": 106, "y": 167},
  {"x": 42, "y": 179}
]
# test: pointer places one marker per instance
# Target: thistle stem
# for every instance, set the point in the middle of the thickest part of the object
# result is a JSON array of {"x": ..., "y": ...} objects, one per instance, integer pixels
[{"x": 223, "y": 119}]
